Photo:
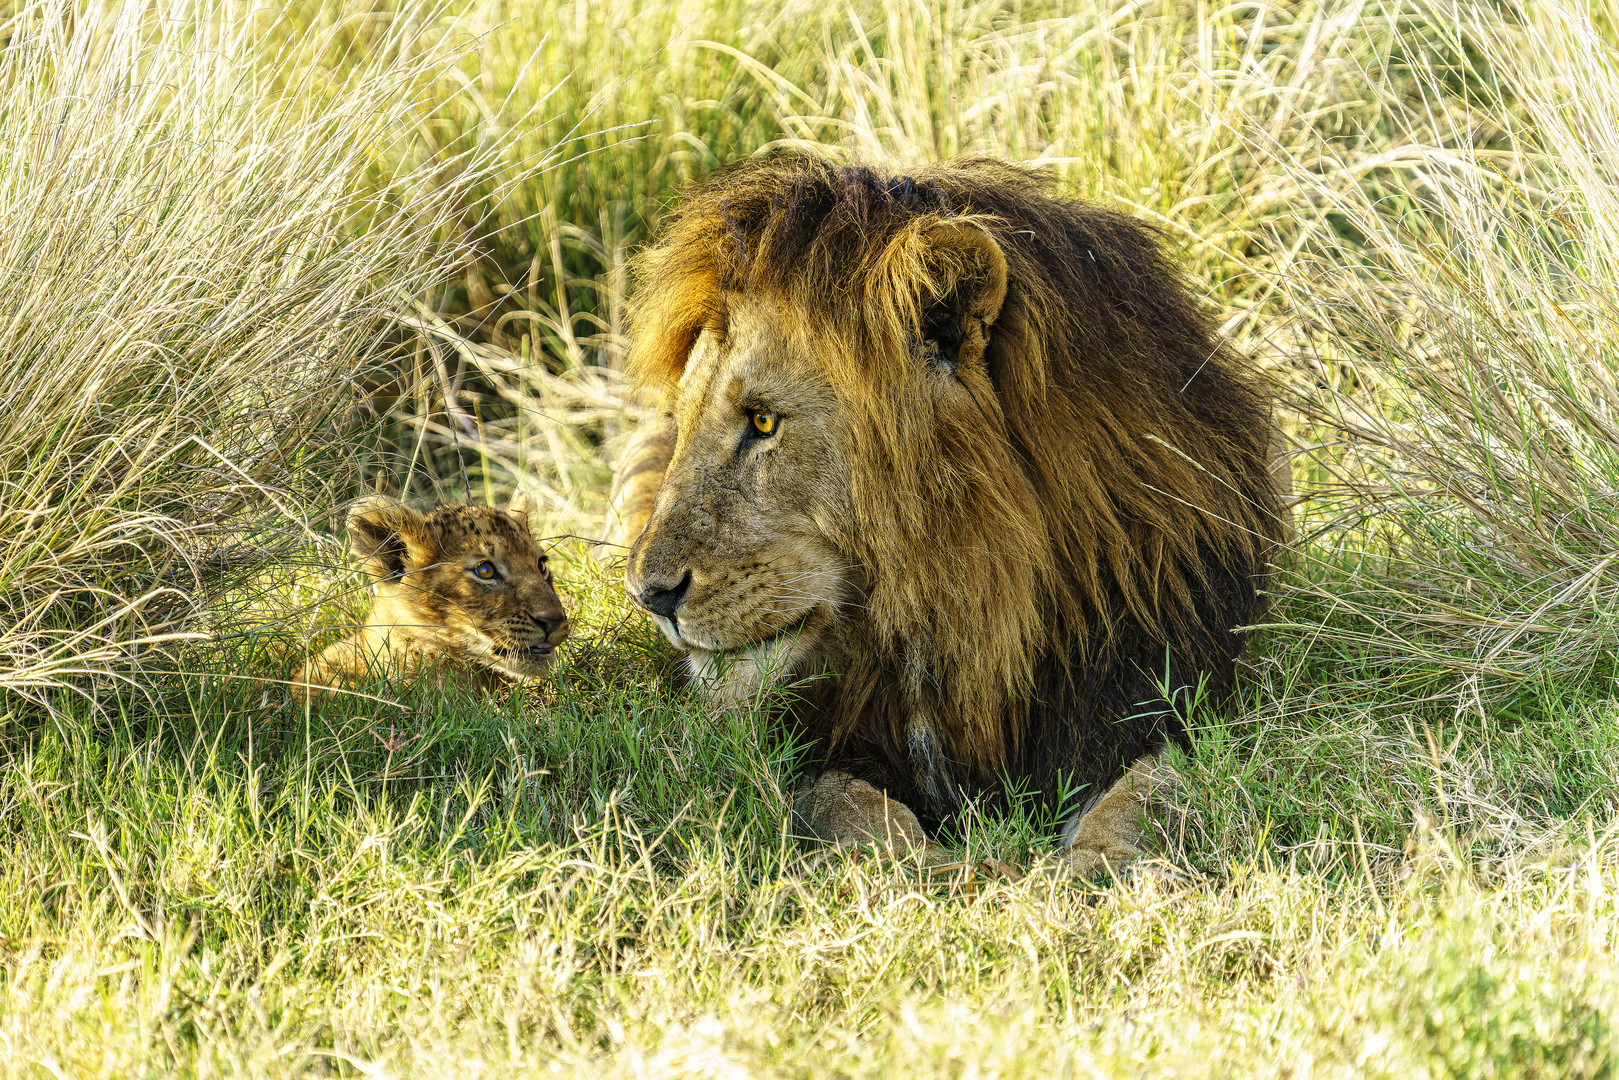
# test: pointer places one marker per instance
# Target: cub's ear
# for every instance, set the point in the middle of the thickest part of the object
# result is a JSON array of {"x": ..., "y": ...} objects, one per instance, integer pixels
[
  {"x": 519, "y": 507},
  {"x": 389, "y": 537},
  {"x": 956, "y": 278}
]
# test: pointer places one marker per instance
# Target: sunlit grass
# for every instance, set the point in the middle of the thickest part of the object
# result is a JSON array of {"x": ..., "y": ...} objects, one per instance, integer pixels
[{"x": 593, "y": 878}]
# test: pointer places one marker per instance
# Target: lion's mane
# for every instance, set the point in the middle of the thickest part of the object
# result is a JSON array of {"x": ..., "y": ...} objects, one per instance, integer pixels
[{"x": 1049, "y": 568}]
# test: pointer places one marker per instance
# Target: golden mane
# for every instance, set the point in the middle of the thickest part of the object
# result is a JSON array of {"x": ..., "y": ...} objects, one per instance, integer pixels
[{"x": 1108, "y": 505}]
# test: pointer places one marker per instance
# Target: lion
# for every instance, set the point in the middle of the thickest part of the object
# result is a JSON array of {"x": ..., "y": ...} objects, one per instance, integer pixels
[
  {"x": 466, "y": 589},
  {"x": 965, "y": 464}
]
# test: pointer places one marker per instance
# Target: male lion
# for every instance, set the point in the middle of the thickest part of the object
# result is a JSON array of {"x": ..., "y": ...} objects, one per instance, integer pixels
[
  {"x": 462, "y": 586},
  {"x": 973, "y": 450}
]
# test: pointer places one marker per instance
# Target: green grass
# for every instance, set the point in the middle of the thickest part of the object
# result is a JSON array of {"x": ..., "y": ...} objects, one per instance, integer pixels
[
  {"x": 593, "y": 877},
  {"x": 254, "y": 262}
]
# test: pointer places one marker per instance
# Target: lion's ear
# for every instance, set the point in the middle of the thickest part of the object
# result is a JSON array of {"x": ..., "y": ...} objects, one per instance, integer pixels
[
  {"x": 967, "y": 286},
  {"x": 387, "y": 536}
]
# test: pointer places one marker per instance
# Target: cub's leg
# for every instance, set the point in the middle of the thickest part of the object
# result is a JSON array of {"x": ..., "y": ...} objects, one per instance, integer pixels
[
  {"x": 845, "y": 811},
  {"x": 636, "y": 480},
  {"x": 1108, "y": 833}
]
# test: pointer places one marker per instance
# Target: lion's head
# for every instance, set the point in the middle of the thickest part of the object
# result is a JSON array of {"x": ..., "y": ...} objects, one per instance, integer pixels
[
  {"x": 467, "y": 585},
  {"x": 956, "y": 440},
  {"x": 764, "y": 535}
]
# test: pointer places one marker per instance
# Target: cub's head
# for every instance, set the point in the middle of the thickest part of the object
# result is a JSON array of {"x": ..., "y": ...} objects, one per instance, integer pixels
[
  {"x": 467, "y": 583},
  {"x": 829, "y": 395}
]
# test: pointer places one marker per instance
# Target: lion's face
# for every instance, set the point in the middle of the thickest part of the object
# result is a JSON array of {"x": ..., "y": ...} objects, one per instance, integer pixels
[
  {"x": 739, "y": 562},
  {"x": 466, "y": 583}
]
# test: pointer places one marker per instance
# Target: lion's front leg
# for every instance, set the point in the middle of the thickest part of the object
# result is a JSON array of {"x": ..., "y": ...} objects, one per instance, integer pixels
[
  {"x": 846, "y": 811},
  {"x": 1109, "y": 832}
]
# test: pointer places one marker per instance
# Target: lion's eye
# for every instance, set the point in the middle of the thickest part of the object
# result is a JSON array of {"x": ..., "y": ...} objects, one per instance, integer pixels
[
  {"x": 764, "y": 423},
  {"x": 485, "y": 571}
]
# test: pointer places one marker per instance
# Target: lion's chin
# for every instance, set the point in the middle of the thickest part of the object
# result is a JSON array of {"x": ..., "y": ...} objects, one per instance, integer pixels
[
  {"x": 522, "y": 664},
  {"x": 733, "y": 676}
]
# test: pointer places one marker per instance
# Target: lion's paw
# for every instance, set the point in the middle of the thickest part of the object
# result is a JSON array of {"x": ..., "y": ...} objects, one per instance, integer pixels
[
  {"x": 1087, "y": 862},
  {"x": 1108, "y": 836},
  {"x": 848, "y": 812}
]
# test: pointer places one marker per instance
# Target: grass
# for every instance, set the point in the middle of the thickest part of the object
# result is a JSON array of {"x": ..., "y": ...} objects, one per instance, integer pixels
[
  {"x": 258, "y": 262},
  {"x": 594, "y": 879}
]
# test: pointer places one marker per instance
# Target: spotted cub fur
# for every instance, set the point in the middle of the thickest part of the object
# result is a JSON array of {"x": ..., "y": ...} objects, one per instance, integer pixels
[{"x": 464, "y": 587}]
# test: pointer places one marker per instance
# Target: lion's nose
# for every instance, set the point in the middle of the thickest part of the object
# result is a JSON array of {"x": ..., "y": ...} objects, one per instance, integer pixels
[
  {"x": 549, "y": 627},
  {"x": 665, "y": 600}
]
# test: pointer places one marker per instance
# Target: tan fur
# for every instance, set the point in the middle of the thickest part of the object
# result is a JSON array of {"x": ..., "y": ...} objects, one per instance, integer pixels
[
  {"x": 636, "y": 482},
  {"x": 1014, "y": 475},
  {"x": 849, "y": 812},
  {"x": 1109, "y": 833},
  {"x": 430, "y": 607}
]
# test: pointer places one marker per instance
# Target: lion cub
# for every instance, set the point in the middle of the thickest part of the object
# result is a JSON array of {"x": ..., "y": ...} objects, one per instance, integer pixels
[{"x": 466, "y": 586}]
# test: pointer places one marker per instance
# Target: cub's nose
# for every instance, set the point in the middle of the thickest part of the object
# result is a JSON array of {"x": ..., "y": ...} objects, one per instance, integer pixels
[
  {"x": 664, "y": 600},
  {"x": 553, "y": 629}
]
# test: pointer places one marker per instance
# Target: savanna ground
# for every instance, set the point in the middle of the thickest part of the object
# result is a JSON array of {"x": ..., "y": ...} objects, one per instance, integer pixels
[{"x": 256, "y": 260}]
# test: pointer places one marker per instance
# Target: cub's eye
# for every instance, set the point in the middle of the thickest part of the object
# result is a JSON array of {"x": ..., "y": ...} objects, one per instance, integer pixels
[
  {"x": 485, "y": 571},
  {"x": 764, "y": 423}
]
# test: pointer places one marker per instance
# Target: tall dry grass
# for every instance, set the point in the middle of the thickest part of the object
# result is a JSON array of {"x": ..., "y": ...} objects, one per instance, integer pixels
[
  {"x": 1469, "y": 459},
  {"x": 211, "y": 221},
  {"x": 1153, "y": 106}
]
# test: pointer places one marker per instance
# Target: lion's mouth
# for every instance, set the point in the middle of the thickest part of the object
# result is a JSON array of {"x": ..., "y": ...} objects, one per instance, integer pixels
[
  {"x": 793, "y": 629},
  {"x": 521, "y": 653},
  {"x": 691, "y": 638}
]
